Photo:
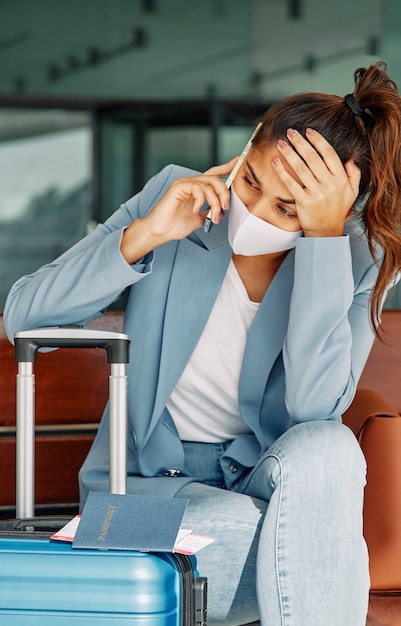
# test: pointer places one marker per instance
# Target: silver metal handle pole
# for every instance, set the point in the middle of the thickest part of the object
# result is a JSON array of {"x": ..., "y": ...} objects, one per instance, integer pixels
[
  {"x": 118, "y": 429},
  {"x": 25, "y": 423},
  {"x": 27, "y": 344}
]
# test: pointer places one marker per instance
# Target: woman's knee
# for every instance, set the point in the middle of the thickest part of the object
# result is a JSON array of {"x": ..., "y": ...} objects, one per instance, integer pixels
[
  {"x": 312, "y": 453},
  {"x": 322, "y": 443}
]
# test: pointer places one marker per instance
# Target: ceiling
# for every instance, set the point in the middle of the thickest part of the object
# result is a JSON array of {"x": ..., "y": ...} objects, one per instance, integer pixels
[{"x": 186, "y": 49}]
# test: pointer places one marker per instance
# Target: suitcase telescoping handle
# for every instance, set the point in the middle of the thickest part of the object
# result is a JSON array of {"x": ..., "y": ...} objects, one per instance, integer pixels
[{"x": 27, "y": 343}]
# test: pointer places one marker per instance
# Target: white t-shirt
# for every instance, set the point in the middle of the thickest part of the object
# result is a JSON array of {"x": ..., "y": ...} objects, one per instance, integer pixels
[{"x": 204, "y": 404}]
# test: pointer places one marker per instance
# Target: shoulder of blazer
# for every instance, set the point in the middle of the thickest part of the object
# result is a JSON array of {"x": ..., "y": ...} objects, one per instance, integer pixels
[
  {"x": 359, "y": 242},
  {"x": 365, "y": 267}
]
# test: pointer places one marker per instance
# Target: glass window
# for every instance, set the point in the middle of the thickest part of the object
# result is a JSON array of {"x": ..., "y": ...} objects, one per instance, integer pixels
[
  {"x": 187, "y": 146},
  {"x": 117, "y": 165},
  {"x": 45, "y": 188},
  {"x": 233, "y": 141}
]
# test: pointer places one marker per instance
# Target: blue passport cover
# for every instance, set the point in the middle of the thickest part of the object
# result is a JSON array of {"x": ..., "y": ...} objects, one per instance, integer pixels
[{"x": 124, "y": 522}]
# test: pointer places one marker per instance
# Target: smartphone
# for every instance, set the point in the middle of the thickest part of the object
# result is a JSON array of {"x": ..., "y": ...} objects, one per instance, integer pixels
[{"x": 208, "y": 221}]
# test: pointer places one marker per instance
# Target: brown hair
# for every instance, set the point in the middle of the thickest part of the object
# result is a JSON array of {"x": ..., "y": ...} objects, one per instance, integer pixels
[{"x": 373, "y": 140}]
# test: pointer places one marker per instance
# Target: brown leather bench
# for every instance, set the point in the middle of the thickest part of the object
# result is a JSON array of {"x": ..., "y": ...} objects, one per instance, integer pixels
[
  {"x": 383, "y": 369},
  {"x": 71, "y": 394}
]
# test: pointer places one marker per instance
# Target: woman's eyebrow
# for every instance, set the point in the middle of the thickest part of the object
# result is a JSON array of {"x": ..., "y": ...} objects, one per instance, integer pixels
[
  {"x": 257, "y": 181},
  {"x": 286, "y": 201},
  {"x": 255, "y": 178}
]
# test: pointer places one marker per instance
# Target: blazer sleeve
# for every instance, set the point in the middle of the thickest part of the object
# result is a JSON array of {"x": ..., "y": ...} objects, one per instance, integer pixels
[
  {"x": 329, "y": 333},
  {"x": 85, "y": 280}
]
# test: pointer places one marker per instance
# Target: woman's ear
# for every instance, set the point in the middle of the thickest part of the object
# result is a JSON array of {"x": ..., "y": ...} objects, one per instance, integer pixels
[{"x": 354, "y": 175}]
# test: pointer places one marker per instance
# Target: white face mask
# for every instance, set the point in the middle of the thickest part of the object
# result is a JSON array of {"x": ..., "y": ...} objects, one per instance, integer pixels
[{"x": 249, "y": 235}]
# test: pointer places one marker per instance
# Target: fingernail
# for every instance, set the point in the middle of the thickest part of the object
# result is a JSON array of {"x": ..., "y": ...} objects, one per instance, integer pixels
[
  {"x": 275, "y": 160},
  {"x": 309, "y": 131},
  {"x": 217, "y": 218},
  {"x": 281, "y": 143},
  {"x": 291, "y": 132}
]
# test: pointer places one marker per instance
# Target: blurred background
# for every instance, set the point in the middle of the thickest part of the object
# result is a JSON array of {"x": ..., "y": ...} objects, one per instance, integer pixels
[{"x": 97, "y": 95}]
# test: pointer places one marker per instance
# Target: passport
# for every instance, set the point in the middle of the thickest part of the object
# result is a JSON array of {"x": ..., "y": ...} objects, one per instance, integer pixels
[{"x": 126, "y": 522}]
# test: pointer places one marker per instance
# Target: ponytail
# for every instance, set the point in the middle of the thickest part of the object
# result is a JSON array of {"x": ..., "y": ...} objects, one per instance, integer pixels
[{"x": 381, "y": 213}]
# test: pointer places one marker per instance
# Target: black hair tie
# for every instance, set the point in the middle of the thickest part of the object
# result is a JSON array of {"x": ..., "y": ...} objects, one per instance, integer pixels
[{"x": 353, "y": 105}]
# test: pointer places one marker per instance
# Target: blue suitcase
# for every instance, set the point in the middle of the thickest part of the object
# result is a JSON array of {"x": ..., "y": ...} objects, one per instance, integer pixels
[{"x": 43, "y": 582}]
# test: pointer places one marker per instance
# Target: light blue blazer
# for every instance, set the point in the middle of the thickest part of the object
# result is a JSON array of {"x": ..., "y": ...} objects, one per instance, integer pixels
[{"x": 304, "y": 354}]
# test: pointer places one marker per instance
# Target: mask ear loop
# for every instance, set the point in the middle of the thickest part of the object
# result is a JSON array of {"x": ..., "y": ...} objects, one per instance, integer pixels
[{"x": 208, "y": 221}]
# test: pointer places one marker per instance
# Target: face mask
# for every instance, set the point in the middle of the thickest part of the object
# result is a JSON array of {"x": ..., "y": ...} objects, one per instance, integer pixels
[{"x": 249, "y": 235}]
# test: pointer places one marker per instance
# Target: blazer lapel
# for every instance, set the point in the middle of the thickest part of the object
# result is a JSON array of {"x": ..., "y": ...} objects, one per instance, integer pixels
[
  {"x": 195, "y": 282},
  {"x": 265, "y": 341}
]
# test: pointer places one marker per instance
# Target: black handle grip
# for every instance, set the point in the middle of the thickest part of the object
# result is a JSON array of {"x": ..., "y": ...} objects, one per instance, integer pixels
[{"x": 28, "y": 342}]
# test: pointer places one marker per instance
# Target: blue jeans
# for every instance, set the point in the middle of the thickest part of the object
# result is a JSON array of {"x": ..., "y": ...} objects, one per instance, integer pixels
[{"x": 289, "y": 547}]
